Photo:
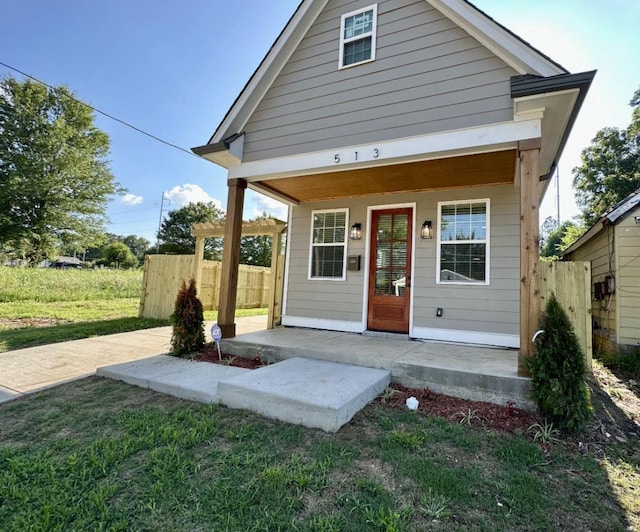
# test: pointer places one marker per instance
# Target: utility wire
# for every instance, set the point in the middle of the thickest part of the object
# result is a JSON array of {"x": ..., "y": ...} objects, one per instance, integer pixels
[{"x": 175, "y": 146}]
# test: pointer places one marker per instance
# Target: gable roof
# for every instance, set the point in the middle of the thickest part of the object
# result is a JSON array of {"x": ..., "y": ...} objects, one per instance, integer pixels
[
  {"x": 613, "y": 216},
  {"x": 513, "y": 50}
]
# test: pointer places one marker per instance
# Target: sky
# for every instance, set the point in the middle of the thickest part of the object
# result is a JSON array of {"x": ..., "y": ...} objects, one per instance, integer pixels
[{"x": 174, "y": 68}]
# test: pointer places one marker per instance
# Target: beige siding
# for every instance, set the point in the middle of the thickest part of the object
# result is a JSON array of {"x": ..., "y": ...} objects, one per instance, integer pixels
[
  {"x": 628, "y": 279},
  {"x": 492, "y": 309},
  {"x": 428, "y": 76},
  {"x": 599, "y": 251}
]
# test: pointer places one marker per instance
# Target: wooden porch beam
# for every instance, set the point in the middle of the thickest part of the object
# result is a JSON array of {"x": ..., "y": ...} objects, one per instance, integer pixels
[
  {"x": 231, "y": 258},
  {"x": 529, "y": 152},
  {"x": 198, "y": 258}
]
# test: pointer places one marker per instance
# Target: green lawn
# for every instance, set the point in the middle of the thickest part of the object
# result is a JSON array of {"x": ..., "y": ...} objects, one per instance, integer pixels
[
  {"x": 101, "y": 455},
  {"x": 41, "y": 306}
]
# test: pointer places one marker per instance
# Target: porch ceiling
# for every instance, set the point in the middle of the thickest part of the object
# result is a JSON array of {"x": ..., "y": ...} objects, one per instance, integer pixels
[{"x": 495, "y": 168}]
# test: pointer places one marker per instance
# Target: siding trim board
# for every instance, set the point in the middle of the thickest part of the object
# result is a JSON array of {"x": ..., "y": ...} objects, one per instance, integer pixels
[
  {"x": 319, "y": 323},
  {"x": 479, "y": 139},
  {"x": 467, "y": 337}
]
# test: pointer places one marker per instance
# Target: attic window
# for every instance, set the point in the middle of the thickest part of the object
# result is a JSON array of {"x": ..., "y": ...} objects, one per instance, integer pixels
[{"x": 358, "y": 36}]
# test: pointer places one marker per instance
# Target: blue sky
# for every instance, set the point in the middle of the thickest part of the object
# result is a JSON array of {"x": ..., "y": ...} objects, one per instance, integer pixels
[{"x": 174, "y": 68}]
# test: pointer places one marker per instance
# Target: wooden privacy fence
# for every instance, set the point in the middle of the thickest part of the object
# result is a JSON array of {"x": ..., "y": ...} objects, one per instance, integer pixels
[
  {"x": 164, "y": 273},
  {"x": 571, "y": 283}
]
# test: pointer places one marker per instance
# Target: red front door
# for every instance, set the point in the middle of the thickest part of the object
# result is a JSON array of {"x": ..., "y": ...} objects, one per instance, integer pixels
[{"x": 390, "y": 270}]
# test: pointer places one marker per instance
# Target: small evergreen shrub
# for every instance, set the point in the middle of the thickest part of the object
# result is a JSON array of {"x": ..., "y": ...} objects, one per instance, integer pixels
[
  {"x": 558, "y": 372},
  {"x": 187, "y": 321}
]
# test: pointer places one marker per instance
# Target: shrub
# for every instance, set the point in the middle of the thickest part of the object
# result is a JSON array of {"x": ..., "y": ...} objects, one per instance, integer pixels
[
  {"x": 558, "y": 372},
  {"x": 187, "y": 321}
]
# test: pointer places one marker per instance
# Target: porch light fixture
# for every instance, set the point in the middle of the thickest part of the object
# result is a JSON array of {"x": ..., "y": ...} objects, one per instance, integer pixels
[
  {"x": 637, "y": 218},
  {"x": 425, "y": 232},
  {"x": 355, "y": 233}
]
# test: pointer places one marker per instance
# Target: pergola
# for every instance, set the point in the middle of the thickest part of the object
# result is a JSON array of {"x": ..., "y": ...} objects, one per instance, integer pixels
[{"x": 229, "y": 276}]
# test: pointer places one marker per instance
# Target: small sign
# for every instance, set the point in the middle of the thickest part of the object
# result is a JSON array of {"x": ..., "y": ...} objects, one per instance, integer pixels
[{"x": 216, "y": 333}]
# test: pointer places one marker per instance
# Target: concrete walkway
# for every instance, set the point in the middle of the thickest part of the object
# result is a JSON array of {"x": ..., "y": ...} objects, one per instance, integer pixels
[{"x": 29, "y": 370}]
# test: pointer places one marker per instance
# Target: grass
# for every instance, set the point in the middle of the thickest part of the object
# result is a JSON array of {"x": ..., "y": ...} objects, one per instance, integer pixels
[
  {"x": 44, "y": 285},
  {"x": 101, "y": 455},
  {"x": 40, "y": 306}
]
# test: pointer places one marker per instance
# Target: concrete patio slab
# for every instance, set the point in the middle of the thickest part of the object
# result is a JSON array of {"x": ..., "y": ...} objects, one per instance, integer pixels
[
  {"x": 185, "y": 379},
  {"x": 312, "y": 393}
]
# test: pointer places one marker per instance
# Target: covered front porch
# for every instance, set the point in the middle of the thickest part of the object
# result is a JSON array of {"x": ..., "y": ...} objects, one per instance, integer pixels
[{"x": 472, "y": 372}]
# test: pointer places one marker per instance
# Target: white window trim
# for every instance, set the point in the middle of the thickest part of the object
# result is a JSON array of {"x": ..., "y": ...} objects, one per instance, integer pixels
[
  {"x": 486, "y": 241},
  {"x": 311, "y": 245},
  {"x": 374, "y": 32}
]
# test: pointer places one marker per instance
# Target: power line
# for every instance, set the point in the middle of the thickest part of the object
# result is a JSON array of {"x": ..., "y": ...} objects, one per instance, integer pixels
[{"x": 127, "y": 124}]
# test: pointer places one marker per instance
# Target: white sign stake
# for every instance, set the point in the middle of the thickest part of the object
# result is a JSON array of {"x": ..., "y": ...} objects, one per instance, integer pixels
[{"x": 216, "y": 334}]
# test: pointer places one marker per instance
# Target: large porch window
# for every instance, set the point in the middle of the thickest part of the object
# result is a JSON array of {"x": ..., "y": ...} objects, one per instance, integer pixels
[
  {"x": 328, "y": 244},
  {"x": 463, "y": 242}
]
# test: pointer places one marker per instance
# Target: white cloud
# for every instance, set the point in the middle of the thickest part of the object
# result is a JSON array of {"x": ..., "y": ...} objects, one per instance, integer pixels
[
  {"x": 132, "y": 199},
  {"x": 182, "y": 195},
  {"x": 268, "y": 205}
]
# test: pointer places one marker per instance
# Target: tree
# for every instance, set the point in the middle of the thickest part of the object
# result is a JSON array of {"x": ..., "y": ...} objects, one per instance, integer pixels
[
  {"x": 558, "y": 239},
  {"x": 256, "y": 249},
  {"x": 558, "y": 372},
  {"x": 55, "y": 179},
  {"x": 187, "y": 321},
  {"x": 137, "y": 244},
  {"x": 610, "y": 169},
  {"x": 118, "y": 255},
  {"x": 175, "y": 230}
]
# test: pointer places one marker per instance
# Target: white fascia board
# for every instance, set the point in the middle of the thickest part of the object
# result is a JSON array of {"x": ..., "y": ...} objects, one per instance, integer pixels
[
  {"x": 467, "y": 337},
  {"x": 494, "y": 137},
  {"x": 269, "y": 70},
  {"x": 623, "y": 209},
  {"x": 318, "y": 323},
  {"x": 518, "y": 55}
]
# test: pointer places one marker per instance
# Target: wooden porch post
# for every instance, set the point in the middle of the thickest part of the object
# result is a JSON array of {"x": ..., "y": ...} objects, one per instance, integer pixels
[
  {"x": 231, "y": 258},
  {"x": 529, "y": 151},
  {"x": 275, "y": 254}
]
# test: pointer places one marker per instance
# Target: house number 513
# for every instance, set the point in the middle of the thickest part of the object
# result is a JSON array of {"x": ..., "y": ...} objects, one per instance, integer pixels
[{"x": 357, "y": 156}]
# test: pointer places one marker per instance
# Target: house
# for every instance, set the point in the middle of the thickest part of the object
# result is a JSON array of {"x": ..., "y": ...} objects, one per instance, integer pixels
[
  {"x": 612, "y": 245},
  {"x": 413, "y": 141},
  {"x": 62, "y": 263}
]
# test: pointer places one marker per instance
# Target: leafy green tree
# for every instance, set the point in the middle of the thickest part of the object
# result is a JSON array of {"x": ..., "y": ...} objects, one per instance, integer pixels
[
  {"x": 118, "y": 255},
  {"x": 610, "y": 168},
  {"x": 175, "y": 230},
  {"x": 55, "y": 179},
  {"x": 137, "y": 244},
  {"x": 558, "y": 239},
  {"x": 256, "y": 249}
]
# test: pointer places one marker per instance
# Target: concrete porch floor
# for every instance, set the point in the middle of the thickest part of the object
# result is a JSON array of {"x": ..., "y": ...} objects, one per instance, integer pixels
[{"x": 471, "y": 372}]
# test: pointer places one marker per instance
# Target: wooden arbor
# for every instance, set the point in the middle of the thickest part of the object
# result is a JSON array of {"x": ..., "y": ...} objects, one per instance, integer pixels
[{"x": 271, "y": 226}]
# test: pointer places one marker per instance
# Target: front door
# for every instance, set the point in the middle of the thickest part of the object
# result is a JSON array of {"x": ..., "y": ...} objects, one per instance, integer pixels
[{"x": 390, "y": 270}]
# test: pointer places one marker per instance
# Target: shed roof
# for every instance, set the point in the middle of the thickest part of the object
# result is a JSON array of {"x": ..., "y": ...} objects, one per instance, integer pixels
[{"x": 613, "y": 216}]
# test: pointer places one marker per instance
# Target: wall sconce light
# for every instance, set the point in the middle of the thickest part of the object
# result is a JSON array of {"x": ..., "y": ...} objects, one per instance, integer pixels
[
  {"x": 425, "y": 232},
  {"x": 355, "y": 233},
  {"x": 637, "y": 218}
]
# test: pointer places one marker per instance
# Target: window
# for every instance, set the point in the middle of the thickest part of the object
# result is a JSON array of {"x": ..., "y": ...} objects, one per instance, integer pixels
[
  {"x": 358, "y": 36},
  {"x": 463, "y": 242},
  {"x": 328, "y": 244}
]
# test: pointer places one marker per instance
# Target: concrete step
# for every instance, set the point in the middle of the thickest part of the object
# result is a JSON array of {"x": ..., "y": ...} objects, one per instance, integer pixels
[
  {"x": 471, "y": 385},
  {"x": 185, "y": 379},
  {"x": 312, "y": 393}
]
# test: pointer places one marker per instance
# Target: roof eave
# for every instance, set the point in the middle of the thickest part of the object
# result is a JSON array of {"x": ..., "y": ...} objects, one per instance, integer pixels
[{"x": 526, "y": 86}]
